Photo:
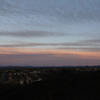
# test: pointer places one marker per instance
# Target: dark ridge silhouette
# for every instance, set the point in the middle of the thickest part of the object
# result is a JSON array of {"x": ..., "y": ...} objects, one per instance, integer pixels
[{"x": 50, "y": 83}]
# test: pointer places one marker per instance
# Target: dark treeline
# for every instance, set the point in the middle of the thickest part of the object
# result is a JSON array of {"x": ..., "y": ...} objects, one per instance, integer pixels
[{"x": 50, "y": 83}]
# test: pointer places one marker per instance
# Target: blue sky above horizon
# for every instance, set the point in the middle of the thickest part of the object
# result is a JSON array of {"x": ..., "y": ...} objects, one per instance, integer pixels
[{"x": 62, "y": 32}]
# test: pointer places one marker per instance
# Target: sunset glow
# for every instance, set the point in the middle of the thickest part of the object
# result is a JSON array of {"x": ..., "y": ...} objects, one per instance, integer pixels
[
  {"x": 49, "y": 32},
  {"x": 29, "y": 51}
]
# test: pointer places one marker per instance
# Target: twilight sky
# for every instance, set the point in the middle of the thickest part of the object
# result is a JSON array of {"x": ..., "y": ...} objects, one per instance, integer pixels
[{"x": 49, "y": 32}]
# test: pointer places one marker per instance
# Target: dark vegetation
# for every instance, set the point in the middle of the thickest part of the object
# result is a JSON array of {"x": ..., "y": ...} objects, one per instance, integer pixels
[{"x": 61, "y": 83}]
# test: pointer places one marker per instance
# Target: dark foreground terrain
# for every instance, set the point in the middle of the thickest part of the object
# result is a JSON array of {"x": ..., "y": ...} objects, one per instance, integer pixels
[{"x": 50, "y": 84}]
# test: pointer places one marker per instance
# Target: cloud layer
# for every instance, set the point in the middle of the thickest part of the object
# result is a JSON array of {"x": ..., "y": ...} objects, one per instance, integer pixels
[
  {"x": 47, "y": 60},
  {"x": 60, "y": 31},
  {"x": 83, "y": 45}
]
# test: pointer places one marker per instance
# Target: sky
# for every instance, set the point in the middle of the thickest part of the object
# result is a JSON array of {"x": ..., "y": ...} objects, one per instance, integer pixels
[{"x": 49, "y": 32}]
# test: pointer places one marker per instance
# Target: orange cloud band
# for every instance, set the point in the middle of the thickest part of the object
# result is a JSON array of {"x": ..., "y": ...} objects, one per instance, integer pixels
[{"x": 25, "y": 51}]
